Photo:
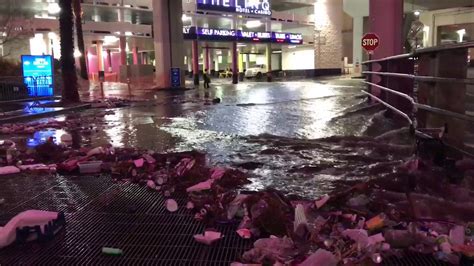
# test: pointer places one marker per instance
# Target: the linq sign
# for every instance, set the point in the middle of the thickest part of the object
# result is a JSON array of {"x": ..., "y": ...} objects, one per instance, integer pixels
[{"x": 256, "y": 7}]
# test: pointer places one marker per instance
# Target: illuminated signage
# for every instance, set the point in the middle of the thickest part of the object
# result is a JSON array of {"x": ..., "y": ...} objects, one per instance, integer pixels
[
  {"x": 38, "y": 74},
  {"x": 255, "y": 7},
  {"x": 216, "y": 34},
  {"x": 191, "y": 33},
  {"x": 254, "y": 36},
  {"x": 293, "y": 38}
]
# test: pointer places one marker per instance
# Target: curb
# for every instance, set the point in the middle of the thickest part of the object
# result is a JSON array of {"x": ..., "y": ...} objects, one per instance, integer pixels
[
  {"x": 32, "y": 99},
  {"x": 45, "y": 114}
]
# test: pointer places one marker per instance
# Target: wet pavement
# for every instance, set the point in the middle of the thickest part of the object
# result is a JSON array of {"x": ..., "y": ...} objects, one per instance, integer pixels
[
  {"x": 276, "y": 131},
  {"x": 301, "y": 137}
]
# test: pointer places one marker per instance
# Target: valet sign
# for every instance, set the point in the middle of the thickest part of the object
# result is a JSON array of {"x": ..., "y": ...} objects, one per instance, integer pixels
[{"x": 255, "y": 7}]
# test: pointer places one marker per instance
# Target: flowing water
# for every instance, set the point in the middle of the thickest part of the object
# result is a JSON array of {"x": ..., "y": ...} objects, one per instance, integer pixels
[{"x": 300, "y": 137}]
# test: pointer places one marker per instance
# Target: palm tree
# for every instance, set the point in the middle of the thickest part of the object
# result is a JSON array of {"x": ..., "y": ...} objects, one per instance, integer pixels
[
  {"x": 80, "y": 38},
  {"x": 70, "y": 91}
]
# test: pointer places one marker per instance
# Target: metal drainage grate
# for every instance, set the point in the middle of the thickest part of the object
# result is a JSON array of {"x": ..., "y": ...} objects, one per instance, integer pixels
[
  {"x": 126, "y": 216},
  {"x": 413, "y": 259}
]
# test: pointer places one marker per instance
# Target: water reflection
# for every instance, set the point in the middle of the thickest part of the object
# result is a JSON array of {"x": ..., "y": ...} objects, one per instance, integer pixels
[
  {"x": 269, "y": 124},
  {"x": 41, "y": 137}
]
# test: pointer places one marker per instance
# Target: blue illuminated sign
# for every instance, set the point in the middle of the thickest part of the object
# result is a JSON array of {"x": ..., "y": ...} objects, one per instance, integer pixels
[
  {"x": 175, "y": 77},
  {"x": 38, "y": 74},
  {"x": 254, "y": 7}
]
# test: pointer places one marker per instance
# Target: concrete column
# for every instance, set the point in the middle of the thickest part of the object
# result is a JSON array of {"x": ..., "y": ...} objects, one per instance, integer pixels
[
  {"x": 135, "y": 55},
  {"x": 386, "y": 20},
  {"x": 328, "y": 34},
  {"x": 357, "y": 51},
  {"x": 235, "y": 63},
  {"x": 168, "y": 39},
  {"x": 195, "y": 52},
  {"x": 123, "y": 51},
  {"x": 207, "y": 64},
  {"x": 100, "y": 56}
]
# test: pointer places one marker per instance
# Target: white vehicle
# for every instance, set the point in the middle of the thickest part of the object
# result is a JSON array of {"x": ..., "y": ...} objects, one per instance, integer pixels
[{"x": 256, "y": 71}]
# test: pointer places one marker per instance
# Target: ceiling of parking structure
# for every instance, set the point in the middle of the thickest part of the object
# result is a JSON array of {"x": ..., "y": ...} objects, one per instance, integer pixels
[
  {"x": 22, "y": 7},
  {"x": 285, "y": 5},
  {"x": 227, "y": 23},
  {"x": 108, "y": 14},
  {"x": 437, "y": 4}
]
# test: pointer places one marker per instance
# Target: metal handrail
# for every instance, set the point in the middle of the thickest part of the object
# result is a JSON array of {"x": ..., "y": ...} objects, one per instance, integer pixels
[
  {"x": 444, "y": 112},
  {"x": 390, "y": 107},
  {"x": 423, "y": 106},
  {"x": 420, "y": 78},
  {"x": 401, "y": 56},
  {"x": 465, "y": 45},
  {"x": 390, "y": 74},
  {"x": 406, "y": 96}
]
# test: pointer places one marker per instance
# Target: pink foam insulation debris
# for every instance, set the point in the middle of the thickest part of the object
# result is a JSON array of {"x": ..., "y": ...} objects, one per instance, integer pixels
[{"x": 208, "y": 237}]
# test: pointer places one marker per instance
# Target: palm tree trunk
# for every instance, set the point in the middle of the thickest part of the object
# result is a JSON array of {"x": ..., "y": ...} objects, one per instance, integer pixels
[
  {"x": 70, "y": 91},
  {"x": 80, "y": 38}
]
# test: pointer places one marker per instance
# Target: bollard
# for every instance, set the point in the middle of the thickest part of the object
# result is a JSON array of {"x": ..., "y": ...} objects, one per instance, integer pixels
[{"x": 102, "y": 90}]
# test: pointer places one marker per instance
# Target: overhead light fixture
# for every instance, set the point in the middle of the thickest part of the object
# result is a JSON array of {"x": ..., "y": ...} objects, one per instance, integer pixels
[
  {"x": 461, "y": 34},
  {"x": 253, "y": 24},
  {"x": 110, "y": 39},
  {"x": 185, "y": 18},
  {"x": 77, "y": 54},
  {"x": 128, "y": 33},
  {"x": 277, "y": 52},
  {"x": 53, "y": 8},
  {"x": 52, "y": 35},
  {"x": 417, "y": 13},
  {"x": 292, "y": 47},
  {"x": 241, "y": 45}
]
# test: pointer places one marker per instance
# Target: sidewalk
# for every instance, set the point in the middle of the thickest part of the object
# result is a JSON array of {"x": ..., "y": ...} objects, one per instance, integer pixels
[{"x": 25, "y": 110}]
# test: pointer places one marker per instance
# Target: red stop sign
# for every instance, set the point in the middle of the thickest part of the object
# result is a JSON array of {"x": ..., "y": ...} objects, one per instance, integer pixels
[{"x": 370, "y": 42}]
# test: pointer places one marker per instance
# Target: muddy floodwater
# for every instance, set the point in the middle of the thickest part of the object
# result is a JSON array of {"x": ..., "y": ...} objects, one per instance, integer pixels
[{"x": 301, "y": 137}]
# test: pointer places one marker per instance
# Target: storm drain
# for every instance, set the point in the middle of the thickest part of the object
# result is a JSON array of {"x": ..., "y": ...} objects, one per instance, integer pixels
[
  {"x": 413, "y": 259},
  {"x": 101, "y": 213}
]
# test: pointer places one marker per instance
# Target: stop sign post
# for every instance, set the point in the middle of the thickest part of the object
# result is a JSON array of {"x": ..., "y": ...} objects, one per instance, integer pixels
[{"x": 370, "y": 42}]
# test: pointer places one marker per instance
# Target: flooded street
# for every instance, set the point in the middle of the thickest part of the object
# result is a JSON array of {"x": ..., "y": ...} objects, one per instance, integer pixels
[{"x": 282, "y": 133}]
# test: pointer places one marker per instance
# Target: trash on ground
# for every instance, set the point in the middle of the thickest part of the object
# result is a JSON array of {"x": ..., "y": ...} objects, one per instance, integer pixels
[
  {"x": 29, "y": 225},
  {"x": 90, "y": 167},
  {"x": 171, "y": 205},
  {"x": 208, "y": 237},
  {"x": 8, "y": 170},
  {"x": 112, "y": 251}
]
